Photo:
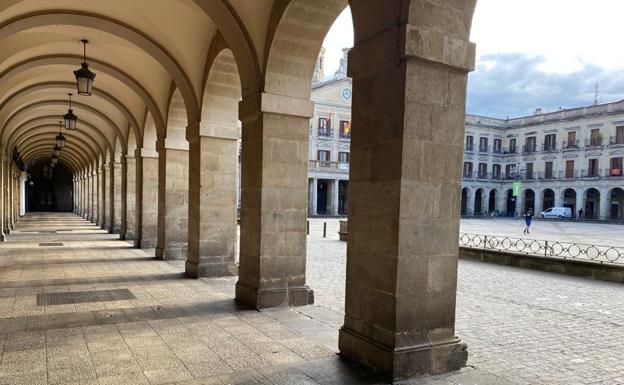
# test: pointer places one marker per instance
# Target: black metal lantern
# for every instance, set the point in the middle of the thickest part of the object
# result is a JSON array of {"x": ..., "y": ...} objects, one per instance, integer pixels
[
  {"x": 69, "y": 117},
  {"x": 84, "y": 77},
  {"x": 52, "y": 164},
  {"x": 57, "y": 151},
  {"x": 60, "y": 139},
  {"x": 54, "y": 159}
]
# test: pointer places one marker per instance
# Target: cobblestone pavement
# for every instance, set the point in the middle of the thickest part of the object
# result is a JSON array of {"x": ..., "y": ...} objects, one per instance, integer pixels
[
  {"x": 524, "y": 326},
  {"x": 174, "y": 331}
]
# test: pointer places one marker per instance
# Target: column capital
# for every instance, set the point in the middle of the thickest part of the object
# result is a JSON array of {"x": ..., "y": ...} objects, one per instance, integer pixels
[
  {"x": 418, "y": 43},
  {"x": 145, "y": 153},
  {"x": 211, "y": 130},
  {"x": 128, "y": 159},
  {"x": 168, "y": 144},
  {"x": 250, "y": 107}
]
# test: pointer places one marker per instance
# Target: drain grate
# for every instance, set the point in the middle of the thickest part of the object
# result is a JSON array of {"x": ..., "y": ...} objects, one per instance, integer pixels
[
  {"x": 66, "y": 298},
  {"x": 51, "y": 244}
]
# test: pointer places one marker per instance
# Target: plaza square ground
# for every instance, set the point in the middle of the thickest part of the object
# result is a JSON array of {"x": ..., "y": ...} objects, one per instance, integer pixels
[{"x": 521, "y": 327}]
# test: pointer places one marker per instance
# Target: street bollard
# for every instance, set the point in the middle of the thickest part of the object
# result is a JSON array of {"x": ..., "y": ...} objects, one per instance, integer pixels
[
  {"x": 324, "y": 229},
  {"x": 308, "y": 228}
]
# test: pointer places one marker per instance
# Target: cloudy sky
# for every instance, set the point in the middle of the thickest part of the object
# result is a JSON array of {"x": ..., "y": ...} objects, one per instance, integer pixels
[{"x": 533, "y": 53}]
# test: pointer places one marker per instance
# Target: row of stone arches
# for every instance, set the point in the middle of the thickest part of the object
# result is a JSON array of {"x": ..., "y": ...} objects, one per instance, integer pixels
[{"x": 596, "y": 204}]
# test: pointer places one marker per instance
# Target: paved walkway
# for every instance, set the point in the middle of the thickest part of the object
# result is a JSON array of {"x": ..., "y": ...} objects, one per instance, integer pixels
[
  {"x": 523, "y": 326},
  {"x": 164, "y": 329}
]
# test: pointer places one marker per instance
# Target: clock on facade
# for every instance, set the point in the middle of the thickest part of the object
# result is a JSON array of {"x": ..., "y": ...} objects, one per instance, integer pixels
[{"x": 346, "y": 93}]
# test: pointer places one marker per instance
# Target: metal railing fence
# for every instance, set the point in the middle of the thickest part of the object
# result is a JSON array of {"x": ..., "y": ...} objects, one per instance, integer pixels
[{"x": 544, "y": 248}]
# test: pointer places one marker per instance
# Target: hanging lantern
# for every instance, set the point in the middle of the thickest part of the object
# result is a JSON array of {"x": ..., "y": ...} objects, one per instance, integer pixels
[
  {"x": 54, "y": 159},
  {"x": 84, "y": 77},
  {"x": 57, "y": 151},
  {"x": 69, "y": 117},
  {"x": 60, "y": 139}
]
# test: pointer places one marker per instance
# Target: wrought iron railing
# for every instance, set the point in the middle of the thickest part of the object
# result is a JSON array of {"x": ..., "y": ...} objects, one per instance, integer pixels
[{"x": 549, "y": 249}]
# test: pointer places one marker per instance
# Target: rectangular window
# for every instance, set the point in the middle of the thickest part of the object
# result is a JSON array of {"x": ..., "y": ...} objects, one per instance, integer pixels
[
  {"x": 548, "y": 170},
  {"x": 529, "y": 170},
  {"x": 550, "y": 142},
  {"x": 467, "y": 169},
  {"x": 571, "y": 143},
  {"x": 510, "y": 171},
  {"x": 343, "y": 157},
  {"x": 324, "y": 155},
  {"x": 496, "y": 171},
  {"x": 324, "y": 128},
  {"x": 592, "y": 169},
  {"x": 616, "y": 167},
  {"x": 619, "y": 135},
  {"x": 595, "y": 138},
  {"x": 483, "y": 144},
  {"x": 482, "y": 170},
  {"x": 469, "y": 142},
  {"x": 569, "y": 169},
  {"x": 497, "y": 146},
  {"x": 345, "y": 129},
  {"x": 512, "y": 146},
  {"x": 530, "y": 143}
]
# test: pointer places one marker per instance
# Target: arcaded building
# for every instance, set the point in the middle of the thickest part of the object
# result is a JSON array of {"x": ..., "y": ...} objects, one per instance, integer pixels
[
  {"x": 147, "y": 150},
  {"x": 567, "y": 158}
]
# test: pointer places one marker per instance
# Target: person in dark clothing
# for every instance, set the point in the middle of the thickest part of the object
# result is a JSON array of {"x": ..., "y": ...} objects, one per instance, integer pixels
[
  {"x": 580, "y": 214},
  {"x": 528, "y": 217}
]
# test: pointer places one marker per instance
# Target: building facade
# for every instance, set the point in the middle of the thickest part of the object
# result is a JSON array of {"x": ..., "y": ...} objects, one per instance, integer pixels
[
  {"x": 330, "y": 137},
  {"x": 568, "y": 158}
]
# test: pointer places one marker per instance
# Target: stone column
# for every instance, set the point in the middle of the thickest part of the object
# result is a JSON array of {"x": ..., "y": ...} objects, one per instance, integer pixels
[
  {"x": 501, "y": 201},
  {"x": 580, "y": 204},
  {"x": 147, "y": 198},
  {"x": 102, "y": 194},
  {"x": 312, "y": 197},
  {"x": 213, "y": 154},
  {"x": 334, "y": 196},
  {"x": 605, "y": 203},
  {"x": 3, "y": 185},
  {"x": 106, "y": 192},
  {"x": 89, "y": 195},
  {"x": 95, "y": 198},
  {"x": 402, "y": 255},
  {"x": 116, "y": 194},
  {"x": 173, "y": 186},
  {"x": 558, "y": 198},
  {"x": 274, "y": 183},
  {"x": 470, "y": 202},
  {"x": 130, "y": 178},
  {"x": 539, "y": 201},
  {"x": 520, "y": 203}
]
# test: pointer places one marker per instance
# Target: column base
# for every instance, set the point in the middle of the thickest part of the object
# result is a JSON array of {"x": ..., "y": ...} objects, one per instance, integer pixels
[
  {"x": 267, "y": 298},
  {"x": 403, "y": 363},
  {"x": 202, "y": 270},
  {"x": 171, "y": 253},
  {"x": 2, "y": 237}
]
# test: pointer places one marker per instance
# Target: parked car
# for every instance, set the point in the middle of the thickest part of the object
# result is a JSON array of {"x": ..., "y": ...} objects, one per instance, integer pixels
[{"x": 557, "y": 212}]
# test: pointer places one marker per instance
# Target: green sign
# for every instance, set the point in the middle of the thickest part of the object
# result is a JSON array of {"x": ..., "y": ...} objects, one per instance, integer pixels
[{"x": 516, "y": 188}]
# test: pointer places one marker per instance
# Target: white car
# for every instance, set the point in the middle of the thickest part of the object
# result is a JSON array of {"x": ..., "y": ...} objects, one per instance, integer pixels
[{"x": 557, "y": 212}]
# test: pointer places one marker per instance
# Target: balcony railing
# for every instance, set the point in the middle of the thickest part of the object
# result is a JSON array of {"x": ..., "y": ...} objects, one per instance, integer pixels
[
  {"x": 325, "y": 133},
  {"x": 593, "y": 142},
  {"x": 497, "y": 150},
  {"x": 510, "y": 150},
  {"x": 326, "y": 164},
  {"x": 549, "y": 147},
  {"x": 616, "y": 140},
  {"x": 570, "y": 145},
  {"x": 469, "y": 147},
  {"x": 344, "y": 136},
  {"x": 613, "y": 173},
  {"x": 483, "y": 148},
  {"x": 529, "y": 148}
]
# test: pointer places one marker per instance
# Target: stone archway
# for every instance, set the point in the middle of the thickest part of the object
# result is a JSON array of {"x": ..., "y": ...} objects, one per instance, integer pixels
[
  {"x": 616, "y": 204},
  {"x": 464, "y": 201},
  {"x": 548, "y": 199},
  {"x": 591, "y": 207},
  {"x": 529, "y": 201},
  {"x": 569, "y": 200}
]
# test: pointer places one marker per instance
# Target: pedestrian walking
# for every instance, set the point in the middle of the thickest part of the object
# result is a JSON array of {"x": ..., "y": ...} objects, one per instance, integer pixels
[
  {"x": 580, "y": 214},
  {"x": 528, "y": 217}
]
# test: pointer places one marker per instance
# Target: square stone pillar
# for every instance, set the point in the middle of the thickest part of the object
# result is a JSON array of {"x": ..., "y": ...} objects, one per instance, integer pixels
[
  {"x": 80, "y": 203},
  {"x": 3, "y": 171},
  {"x": 580, "y": 204},
  {"x": 117, "y": 194},
  {"x": 605, "y": 203},
  {"x": 130, "y": 177},
  {"x": 173, "y": 185},
  {"x": 213, "y": 154},
  {"x": 409, "y": 94},
  {"x": 334, "y": 196},
  {"x": 274, "y": 183},
  {"x": 312, "y": 196},
  {"x": 101, "y": 196},
  {"x": 147, "y": 198},
  {"x": 95, "y": 198},
  {"x": 107, "y": 195},
  {"x": 89, "y": 192}
]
